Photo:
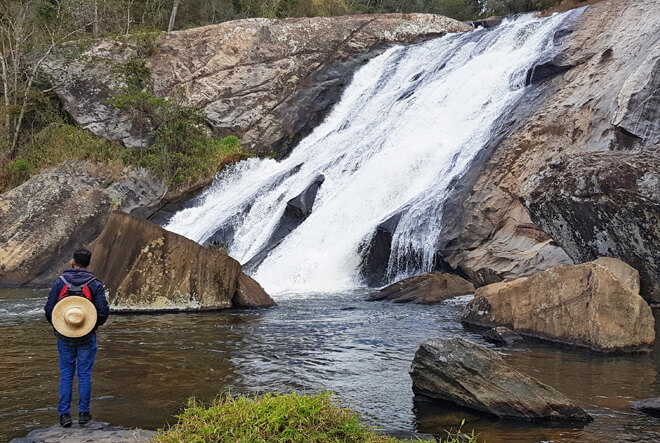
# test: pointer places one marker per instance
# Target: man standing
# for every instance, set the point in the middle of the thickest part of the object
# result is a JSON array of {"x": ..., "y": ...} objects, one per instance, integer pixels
[{"x": 76, "y": 306}]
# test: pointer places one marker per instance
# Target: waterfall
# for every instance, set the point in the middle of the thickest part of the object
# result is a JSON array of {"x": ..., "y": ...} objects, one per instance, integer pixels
[{"x": 409, "y": 123}]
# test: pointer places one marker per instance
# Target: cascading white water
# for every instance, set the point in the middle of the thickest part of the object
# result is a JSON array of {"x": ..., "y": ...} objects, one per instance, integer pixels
[{"x": 411, "y": 120}]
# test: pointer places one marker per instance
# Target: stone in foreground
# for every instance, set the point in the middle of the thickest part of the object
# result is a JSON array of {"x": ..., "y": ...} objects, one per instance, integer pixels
[
  {"x": 649, "y": 406},
  {"x": 425, "y": 289},
  {"x": 94, "y": 431},
  {"x": 147, "y": 268},
  {"x": 502, "y": 336},
  {"x": 593, "y": 305},
  {"x": 473, "y": 376}
]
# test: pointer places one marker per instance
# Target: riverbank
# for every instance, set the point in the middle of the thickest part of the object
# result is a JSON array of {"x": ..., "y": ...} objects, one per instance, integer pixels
[{"x": 148, "y": 367}]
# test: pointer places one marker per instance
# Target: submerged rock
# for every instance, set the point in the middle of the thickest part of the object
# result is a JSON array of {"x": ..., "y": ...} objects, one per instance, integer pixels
[
  {"x": 472, "y": 376},
  {"x": 147, "y": 268},
  {"x": 649, "y": 406},
  {"x": 93, "y": 432},
  {"x": 593, "y": 305},
  {"x": 46, "y": 218},
  {"x": 502, "y": 336},
  {"x": 425, "y": 289}
]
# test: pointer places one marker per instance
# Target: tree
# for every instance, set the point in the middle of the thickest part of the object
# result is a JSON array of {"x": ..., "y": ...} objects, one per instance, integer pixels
[{"x": 175, "y": 7}]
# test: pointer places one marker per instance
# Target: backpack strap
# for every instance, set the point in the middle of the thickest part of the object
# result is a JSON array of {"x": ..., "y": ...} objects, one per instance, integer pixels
[{"x": 84, "y": 289}]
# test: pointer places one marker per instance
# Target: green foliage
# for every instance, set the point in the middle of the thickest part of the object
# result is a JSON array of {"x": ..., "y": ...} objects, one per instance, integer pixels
[
  {"x": 270, "y": 418},
  {"x": 278, "y": 418}
]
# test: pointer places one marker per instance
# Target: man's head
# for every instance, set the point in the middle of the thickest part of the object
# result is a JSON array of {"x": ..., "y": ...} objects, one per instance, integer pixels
[{"x": 81, "y": 258}]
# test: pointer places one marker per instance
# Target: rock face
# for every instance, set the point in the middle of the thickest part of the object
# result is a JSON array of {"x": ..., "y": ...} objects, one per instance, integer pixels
[
  {"x": 593, "y": 305},
  {"x": 46, "y": 218},
  {"x": 268, "y": 81},
  {"x": 425, "y": 289},
  {"x": 472, "y": 376},
  {"x": 606, "y": 101},
  {"x": 147, "y": 268},
  {"x": 94, "y": 431},
  {"x": 603, "y": 203}
]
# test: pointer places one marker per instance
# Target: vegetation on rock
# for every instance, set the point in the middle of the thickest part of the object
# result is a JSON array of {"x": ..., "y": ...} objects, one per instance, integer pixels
[{"x": 276, "y": 418}]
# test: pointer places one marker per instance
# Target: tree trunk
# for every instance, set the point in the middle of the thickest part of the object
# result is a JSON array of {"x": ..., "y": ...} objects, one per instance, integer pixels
[
  {"x": 95, "y": 26},
  {"x": 175, "y": 7}
]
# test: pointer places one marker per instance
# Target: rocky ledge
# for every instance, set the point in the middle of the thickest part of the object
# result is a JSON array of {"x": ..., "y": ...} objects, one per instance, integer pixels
[
  {"x": 147, "y": 268},
  {"x": 46, "y": 218},
  {"x": 268, "y": 81},
  {"x": 425, "y": 289},
  {"x": 594, "y": 305},
  {"x": 92, "y": 432},
  {"x": 473, "y": 376}
]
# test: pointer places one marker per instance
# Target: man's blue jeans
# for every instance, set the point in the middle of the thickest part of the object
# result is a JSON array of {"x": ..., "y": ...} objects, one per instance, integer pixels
[{"x": 82, "y": 356}]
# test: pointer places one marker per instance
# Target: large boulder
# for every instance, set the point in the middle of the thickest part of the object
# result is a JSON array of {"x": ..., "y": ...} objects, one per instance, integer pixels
[
  {"x": 268, "y": 81},
  {"x": 473, "y": 376},
  {"x": 593, "y": 305},
  {"x": 606, "y": 101},
  {"x": 147, "y": 268},
  {"x": 46, "y": 218},
  {"x": 603, "y": 203},
  {"x": 425, "y": 289}
]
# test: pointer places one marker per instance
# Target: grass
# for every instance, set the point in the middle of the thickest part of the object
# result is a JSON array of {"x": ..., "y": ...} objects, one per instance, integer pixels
[
  {"x": 61, "y": 141},
  {"x": 276, "y": 418}
]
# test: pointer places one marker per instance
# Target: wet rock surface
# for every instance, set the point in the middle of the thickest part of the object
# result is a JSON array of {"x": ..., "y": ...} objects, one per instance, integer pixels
[
  {"x": 603, "y": 204},
  {"x": 268, "y": 81},
  {"x": 649, "y": 406},
  {"x": 92, "y": 432},
  {"x": 425, "y": 289},
  {"x": 147, "y": 268},
  {"x": 502, "y": 336},
  {"x": 606, "y": 101},
  {"x": 471, "y": 375},
  {"x": 586, "y": 306},
  {"x": 46, "y": 218}
]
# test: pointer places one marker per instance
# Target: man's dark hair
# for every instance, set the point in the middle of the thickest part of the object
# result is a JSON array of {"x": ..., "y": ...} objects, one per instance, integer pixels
[{"x": 82, "y": 257}]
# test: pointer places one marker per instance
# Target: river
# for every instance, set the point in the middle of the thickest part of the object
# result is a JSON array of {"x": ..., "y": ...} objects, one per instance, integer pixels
[{"x": 149, "y": 365}]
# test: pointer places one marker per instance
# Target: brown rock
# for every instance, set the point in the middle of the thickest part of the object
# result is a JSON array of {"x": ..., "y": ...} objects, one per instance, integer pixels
[
  {"x": 585, "y": 306},
  {"x": 425, "y": 289},
  {"x": 46, "y": 218},
  {"x": 147, "y": 268},
  {"x": 473, "y": 376},
  {"x": 250, "y": 294}
]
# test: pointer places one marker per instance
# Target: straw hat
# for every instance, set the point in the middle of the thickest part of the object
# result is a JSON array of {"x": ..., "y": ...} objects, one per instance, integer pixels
[{"x": 74, "y": 316}]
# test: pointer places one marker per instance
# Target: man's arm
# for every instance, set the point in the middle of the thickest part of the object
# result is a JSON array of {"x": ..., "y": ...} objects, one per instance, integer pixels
[
  {"x": 52, "y": 299},
  {"x": 101, "y": 303}
]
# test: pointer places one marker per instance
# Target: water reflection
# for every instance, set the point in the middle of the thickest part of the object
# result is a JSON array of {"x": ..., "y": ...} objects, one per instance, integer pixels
[{"x": 149, "y": 365}]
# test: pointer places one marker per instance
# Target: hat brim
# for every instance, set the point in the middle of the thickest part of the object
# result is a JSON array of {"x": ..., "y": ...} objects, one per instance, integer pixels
[{"x": 69, "y": 330}]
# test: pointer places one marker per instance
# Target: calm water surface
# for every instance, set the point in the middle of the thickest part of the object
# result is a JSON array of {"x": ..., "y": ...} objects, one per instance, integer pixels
[{"x": 148, "y": 365}]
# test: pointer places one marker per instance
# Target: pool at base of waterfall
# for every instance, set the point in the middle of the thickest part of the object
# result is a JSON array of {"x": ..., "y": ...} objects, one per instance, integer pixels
[{"x": 149, "y": 365}]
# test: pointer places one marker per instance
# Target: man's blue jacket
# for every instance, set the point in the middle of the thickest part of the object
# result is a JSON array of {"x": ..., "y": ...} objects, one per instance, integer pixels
[{"x": 78, "y": 277}]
